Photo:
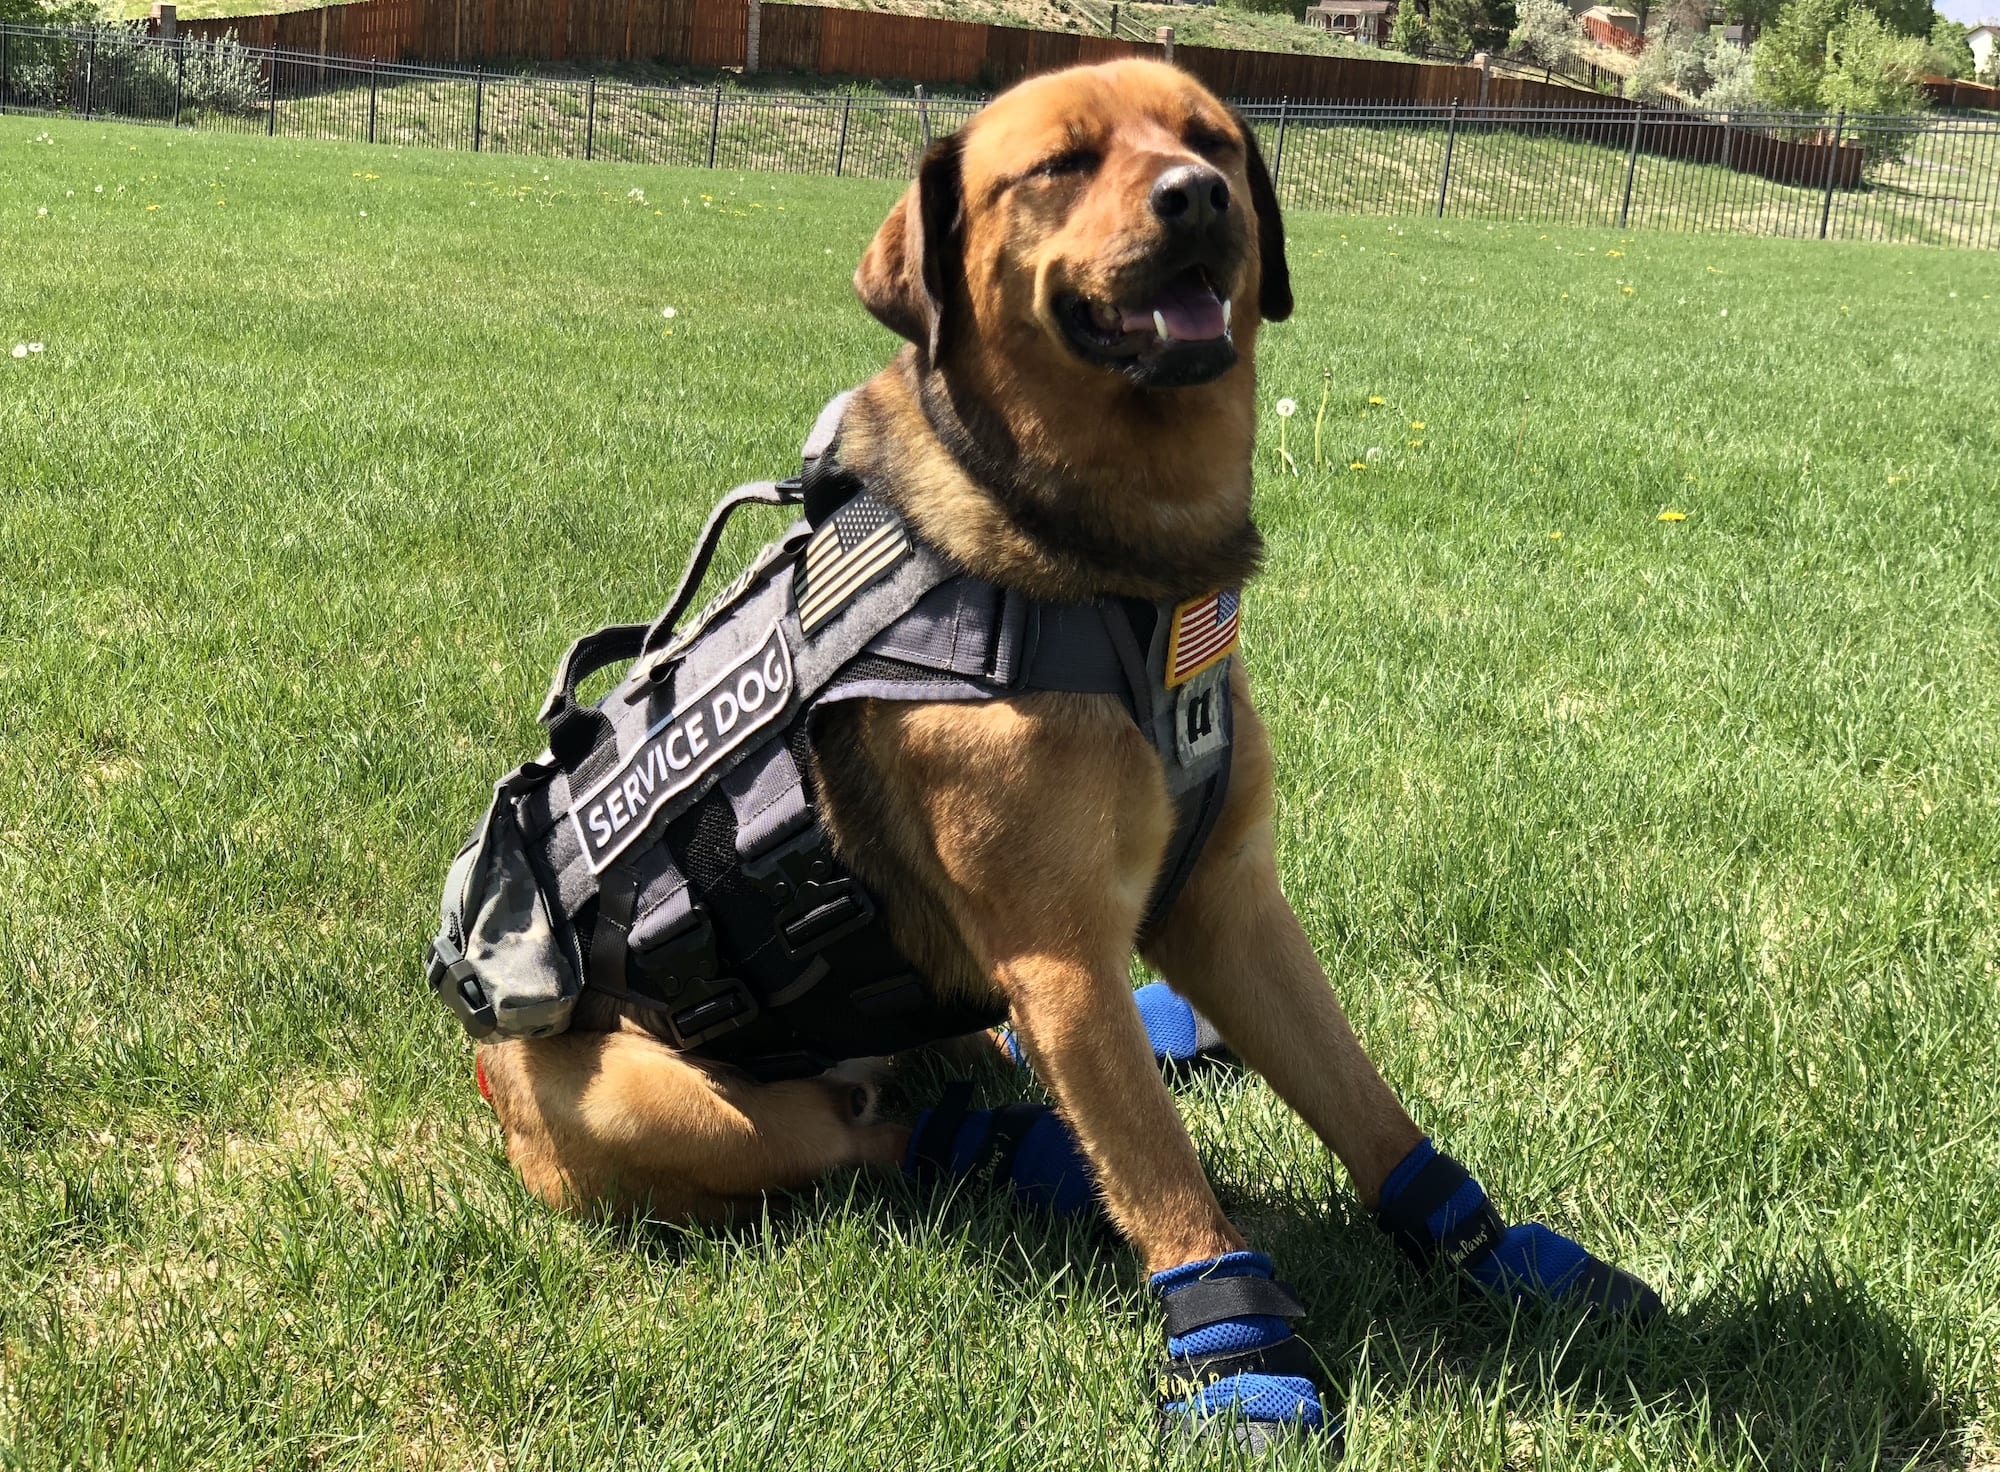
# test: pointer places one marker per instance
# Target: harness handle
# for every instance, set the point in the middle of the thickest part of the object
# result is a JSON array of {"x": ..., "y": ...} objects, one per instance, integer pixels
[
  {"x": 576, "y": 730},
  {"x": 757, "y": 493}
]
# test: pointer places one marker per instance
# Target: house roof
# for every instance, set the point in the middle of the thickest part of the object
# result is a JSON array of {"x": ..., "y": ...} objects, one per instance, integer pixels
[{"x": 1351, "y": 7}]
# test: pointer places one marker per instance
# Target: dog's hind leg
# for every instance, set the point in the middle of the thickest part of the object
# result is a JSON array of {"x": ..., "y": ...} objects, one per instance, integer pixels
[
  {"x": 619, "y": 1122},
  {"x": 1232, "y": 946}
]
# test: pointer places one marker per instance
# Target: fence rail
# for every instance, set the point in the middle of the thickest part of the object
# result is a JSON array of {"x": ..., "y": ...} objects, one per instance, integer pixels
[{"x": 1929, "y": 179}]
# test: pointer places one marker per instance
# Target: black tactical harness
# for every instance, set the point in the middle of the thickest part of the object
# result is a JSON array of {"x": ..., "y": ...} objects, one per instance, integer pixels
[{"x": 666, "y": 849}]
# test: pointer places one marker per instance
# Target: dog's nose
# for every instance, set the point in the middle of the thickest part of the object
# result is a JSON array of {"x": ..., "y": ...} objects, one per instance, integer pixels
[{"x": 1190, "y": 196}]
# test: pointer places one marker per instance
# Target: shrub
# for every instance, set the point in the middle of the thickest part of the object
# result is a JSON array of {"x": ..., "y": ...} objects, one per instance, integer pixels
[
  {"x": 1949, "y": 54},
  {"x": 1871, "y": 69},
  {"x": 1547, "y": 32},
  {"x": 1410, "y": 31},
  {"x": 1791, "y": 54},
  {"x": 1732, "y": 80}
]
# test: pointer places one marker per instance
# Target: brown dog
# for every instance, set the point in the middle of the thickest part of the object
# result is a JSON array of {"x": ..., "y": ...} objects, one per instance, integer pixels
[{"x": 1045, "y": 432}]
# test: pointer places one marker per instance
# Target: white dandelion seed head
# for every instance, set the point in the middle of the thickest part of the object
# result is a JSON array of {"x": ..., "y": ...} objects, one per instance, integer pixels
[
  {"x": 669, "y": 313},
  {"x": 42, "y": 213},
  {"x": 34, "y": 347},
  {"x": 364, "y": 214},
  {"x": 100, "y": 189},
  {"x": 1374, "y": 452},
  {"x": 1287, "y": 408},
  {"x": 20, "y": 350},
  {"x": 1725, "y": 311}
]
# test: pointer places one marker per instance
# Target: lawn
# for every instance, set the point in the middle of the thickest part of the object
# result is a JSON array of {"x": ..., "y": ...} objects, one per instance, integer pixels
[{"x": 1655, "y": 858}]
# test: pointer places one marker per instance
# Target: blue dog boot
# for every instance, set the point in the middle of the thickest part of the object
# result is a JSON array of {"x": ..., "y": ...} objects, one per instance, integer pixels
[
  {"x": 1437, "y": 1212},
  {"x": 1234, "y": 1368},
  {"x": 1024, "y": 1147},
  {"x": 1178, "y": 1033}
]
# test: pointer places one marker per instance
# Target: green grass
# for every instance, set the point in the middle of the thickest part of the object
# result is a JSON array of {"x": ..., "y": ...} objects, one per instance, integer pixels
[{"x": 1656, "y": 860}]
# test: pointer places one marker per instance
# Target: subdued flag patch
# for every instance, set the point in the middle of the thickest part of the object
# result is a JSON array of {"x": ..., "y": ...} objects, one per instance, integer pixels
[
  {"x": 1203, "y": 633},
  {"x": 862, "y": 542}
]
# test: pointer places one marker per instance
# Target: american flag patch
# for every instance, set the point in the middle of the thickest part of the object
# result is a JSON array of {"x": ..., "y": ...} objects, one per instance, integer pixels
[
  {"x": 863, "y": 541},
  {"x": 1203, "y": 633}
]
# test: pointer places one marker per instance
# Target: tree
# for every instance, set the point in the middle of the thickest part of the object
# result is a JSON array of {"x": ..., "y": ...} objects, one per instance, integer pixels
[
  {"x": 1791, "y": 54},
  {"x": 1950, "y": 54},
  {"x": 1904, "y": 17},
  {"x": 1546, "y": 33},
  {"x": 38, "y": 13},
  {"x": 1410, "y": 31},
  {"x": 1472, "y": 25},
  {"x": 1870, "y": 68},
  {"x": 1732, "y": 80}
]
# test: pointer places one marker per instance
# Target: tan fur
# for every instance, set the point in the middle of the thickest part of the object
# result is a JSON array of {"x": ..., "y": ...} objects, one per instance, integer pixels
[{"x": 1016, "y": 842}]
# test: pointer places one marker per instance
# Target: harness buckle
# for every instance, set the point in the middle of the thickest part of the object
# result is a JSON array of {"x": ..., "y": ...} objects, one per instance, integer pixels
[
  {"x": 817, "y": 903},
  {"x": 724, "y": 1006},
  {"x": 666, "y": 964},
  {"x": 458, "y": 986}
]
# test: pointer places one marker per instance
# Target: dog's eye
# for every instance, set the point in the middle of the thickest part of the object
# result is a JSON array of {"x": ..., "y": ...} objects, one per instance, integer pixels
[
  {"x": 1209, "y": 144},
  {"x": 1076, "y": 161}
]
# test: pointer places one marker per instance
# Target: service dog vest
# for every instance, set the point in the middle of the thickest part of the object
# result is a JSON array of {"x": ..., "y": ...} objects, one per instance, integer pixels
[{"x": 666, "y": 849}]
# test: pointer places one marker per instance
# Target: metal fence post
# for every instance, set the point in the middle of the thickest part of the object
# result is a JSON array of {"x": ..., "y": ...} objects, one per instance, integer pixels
[
  {"x": 590, "y": 118},
  {"x": 1450, "y": 138},
  {"x": 373, "y": 88},
  {"x": 1278, "y": 150},
  {"x": 924, "y": 114},
  {"x": 714, "y": 125},
  {"x": 1832, "y": 158},
  {"x": 1114, "y": 20},
  {"x": 272, "y": 130},
  {"x": 180, "y": 76},
  {"x": 89, "y": 74},
  {"x": 1631, "y": 167},
  {"x": 6, "y": 87},
  {"x": 478, "y": 105},
  {"x": 840, "y": 148}
]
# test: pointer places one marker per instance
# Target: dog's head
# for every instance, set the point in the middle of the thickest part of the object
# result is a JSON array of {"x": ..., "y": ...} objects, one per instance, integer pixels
[{"x": 1108, "y": 220}]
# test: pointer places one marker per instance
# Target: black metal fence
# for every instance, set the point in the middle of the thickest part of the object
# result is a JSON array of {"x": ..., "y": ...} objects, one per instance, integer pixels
[{"x": 1923, "y": 178}]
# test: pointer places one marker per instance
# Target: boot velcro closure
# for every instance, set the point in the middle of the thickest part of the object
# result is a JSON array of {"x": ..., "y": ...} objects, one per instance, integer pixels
[{"x": 1212, "y": 1300}]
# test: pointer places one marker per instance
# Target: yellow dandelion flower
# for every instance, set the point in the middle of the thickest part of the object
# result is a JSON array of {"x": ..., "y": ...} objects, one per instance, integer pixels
[
  {"x": 1615, "y": 254},
  {"x": 1627, "y": 290},
  {"x": 1416, "y": 444},
  {"x": 1357, "y": 465},
  {"x": 1416, "y": 424},
  {"x": 1555, "y": 536},
  {"x": 1673, "y": 516},
  {"x": 151, "y": 207},
  {"x": 1375, "y": 398}
]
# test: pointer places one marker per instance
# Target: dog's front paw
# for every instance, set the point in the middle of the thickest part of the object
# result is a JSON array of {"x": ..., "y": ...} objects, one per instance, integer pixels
[
  {"x": 1437, "y": 1212},
  {"x": 1234, "y": 1368}
]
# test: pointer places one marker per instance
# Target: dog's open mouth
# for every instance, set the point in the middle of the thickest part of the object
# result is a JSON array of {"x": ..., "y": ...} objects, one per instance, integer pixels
[{"x": 1175, "y": 335}]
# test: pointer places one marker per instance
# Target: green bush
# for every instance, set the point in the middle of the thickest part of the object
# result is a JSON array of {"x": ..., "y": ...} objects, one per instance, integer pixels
[
  {"x": 1546, "y": 32},
  {"x": 1410, "y": 32},
  {"x": 1949, "y": 54},
  {"x": 1870, "y": 68}
]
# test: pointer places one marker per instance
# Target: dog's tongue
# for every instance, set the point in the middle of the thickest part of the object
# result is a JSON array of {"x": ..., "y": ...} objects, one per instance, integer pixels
[{"x": 1186, "y": 305}]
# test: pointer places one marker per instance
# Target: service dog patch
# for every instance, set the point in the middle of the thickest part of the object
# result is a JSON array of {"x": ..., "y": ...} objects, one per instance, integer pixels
[
  {"x": 683, "y": 748},
  {"x": 1203, "y": 634}
]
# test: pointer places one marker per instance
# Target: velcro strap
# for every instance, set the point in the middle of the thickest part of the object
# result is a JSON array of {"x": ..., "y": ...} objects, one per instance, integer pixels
[
  {"x": 1212, "y": 1300},
  {"x": 1407, "y": 1218},
  {"x": 930, "y": 1152},
  {"x": 1184, "y": 1375},
  {"x": 1010, "y": 1128}
]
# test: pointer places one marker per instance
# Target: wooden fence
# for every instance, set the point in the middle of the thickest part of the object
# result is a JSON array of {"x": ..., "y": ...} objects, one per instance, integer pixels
[{"x": 858, "y": 43}]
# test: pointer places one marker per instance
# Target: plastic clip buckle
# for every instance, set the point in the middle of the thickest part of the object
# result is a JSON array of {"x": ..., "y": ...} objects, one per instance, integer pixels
[
  {"x": 458, "y": 986},
  {"x": 817, "y": 903}
]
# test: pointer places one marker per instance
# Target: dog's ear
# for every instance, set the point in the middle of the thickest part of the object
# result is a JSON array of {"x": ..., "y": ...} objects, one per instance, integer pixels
[
  {"x": 1274, "y": 294},
  {"x": 909, "y": 272}
]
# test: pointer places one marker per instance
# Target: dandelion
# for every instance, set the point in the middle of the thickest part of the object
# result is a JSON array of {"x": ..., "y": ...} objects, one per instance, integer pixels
[
  {"x": 1671, "y": 515},
  {"x": 669, "y": 313},
  {"x": 43, "y": 214},
  {"x": 1416, "y": 424},
  {"x": 1555, "y": 536},
  {"x": 150, "y": 208},
  {"x": 1286, "y": 409},
  {"x": 100, "y": 189},
  {"x": 1615, "y": 254},
  {"x": 1357, "y": 465},
  {"x": 20, "y": 350},
  {"x": 1725, "y": 311},
  {"x": 1627, "y": 290},
  {"x": 1416, "y": 444},
  {"x": 1374, "y": 453},
  {"x": 1375, "y": 399},
  {"x": 364, "y": 214}
]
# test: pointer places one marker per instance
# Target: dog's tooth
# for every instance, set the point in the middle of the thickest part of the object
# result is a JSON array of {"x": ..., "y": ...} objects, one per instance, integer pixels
[
  {"x": 1225, "y": 313},
  {"x": 1160, "y": 326}
]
